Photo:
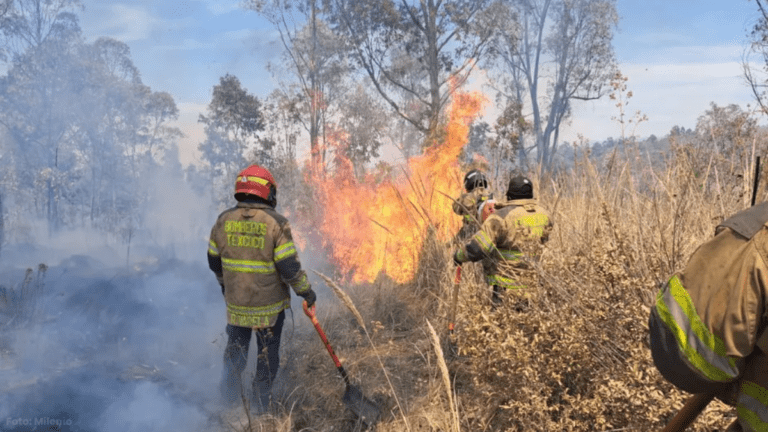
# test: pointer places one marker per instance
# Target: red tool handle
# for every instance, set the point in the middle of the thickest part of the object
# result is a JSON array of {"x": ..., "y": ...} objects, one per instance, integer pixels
[
  {"x": 310, "y": 312},
  {"x": 455, "y": 299}
]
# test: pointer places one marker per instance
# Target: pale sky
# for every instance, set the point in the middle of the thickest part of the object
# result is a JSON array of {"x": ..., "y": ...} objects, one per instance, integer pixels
[{"x": 679, "y": 56}]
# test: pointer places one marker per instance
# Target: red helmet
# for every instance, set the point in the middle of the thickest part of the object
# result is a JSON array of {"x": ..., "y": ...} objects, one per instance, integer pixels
[{"x": 257, "y": 181}]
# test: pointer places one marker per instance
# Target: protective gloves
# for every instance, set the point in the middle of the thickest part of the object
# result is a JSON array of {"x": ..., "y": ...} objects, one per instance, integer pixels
[
  {"x": 309, "y": 297},
  {"x": 456, "y": 261}
]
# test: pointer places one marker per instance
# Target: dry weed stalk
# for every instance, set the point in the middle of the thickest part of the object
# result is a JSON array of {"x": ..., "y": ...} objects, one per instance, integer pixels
[
  {"x": 446, "y": 377},
  {"x": 351, "y": 306},
  {"x": 344, "y": 299}
]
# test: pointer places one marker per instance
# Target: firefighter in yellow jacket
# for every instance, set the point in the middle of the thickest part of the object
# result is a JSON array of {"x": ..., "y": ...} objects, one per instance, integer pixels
[
  {"x": 708, "y": 325},
  {"x": 252, "y": 253},
  {"x": 510, "y": 234},
  {"x": 476, "y": 187}
]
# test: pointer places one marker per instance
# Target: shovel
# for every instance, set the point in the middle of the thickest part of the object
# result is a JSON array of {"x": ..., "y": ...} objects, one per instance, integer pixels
[{"x": 364, "y": 408}]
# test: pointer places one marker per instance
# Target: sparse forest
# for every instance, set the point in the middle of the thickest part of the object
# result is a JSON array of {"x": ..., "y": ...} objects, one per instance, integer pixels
[{"x": 89, "y": 167}]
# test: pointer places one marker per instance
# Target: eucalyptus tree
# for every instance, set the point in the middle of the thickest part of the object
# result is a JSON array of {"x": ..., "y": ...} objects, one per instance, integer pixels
[
  {"x": 415, "y": 52},
  {"x": 756, "y": 75},
  {"x": 548, "y": 54},
  {"x": 233, "y": 119},
  {"x": 26, "y": 24},
  {"x": 313, "y": 66}
]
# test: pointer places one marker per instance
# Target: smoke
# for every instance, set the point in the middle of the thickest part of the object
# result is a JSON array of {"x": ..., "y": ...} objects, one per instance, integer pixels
[{"x": 126, "y": 334}]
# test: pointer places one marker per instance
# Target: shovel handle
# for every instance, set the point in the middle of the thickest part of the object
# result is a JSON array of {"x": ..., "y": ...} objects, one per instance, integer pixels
[
  {"x": 310, "y": 312},
  {"x": 455, "y": 300},
  {"x": 688, "y": 413}
]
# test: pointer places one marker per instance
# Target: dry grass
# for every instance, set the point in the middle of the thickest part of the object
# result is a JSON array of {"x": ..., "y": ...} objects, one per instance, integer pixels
[{"x": 576, "y": 358}]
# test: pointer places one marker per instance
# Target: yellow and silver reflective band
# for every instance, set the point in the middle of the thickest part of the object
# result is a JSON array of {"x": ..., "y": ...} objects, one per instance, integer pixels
[
  {"x": 247, "y": 266},
  {"x": 512, "y": 255},
  {"x": 284, "y": 251},
  {"x": 752, "y": 407},
  {"x": 504, "y": 282},
  {"x": 485, "y": 242},
  {"x": 255, "y": 316},
  {"x": 258, "y": 180},
  {"x": 212, "y": 248},
  {"x": 535, "y": 222},
  {"x": 701, "y": 348},
  {"x": 302, "y": 284}
]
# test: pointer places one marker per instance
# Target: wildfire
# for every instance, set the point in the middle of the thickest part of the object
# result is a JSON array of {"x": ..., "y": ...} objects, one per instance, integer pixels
[{"x": 381, "y": 227}]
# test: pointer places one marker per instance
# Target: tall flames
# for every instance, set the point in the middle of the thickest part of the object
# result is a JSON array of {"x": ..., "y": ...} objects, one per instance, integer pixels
[{"x": 372, "y": 227}]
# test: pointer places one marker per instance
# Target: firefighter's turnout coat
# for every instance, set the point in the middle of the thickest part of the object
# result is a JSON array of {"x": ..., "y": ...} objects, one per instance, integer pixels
[
  {"x": 251, "y": 251},
  {"x": 466, "y": 207},
  {"x": 508, "y": 239},
  {"x": 707, "y": 326}
]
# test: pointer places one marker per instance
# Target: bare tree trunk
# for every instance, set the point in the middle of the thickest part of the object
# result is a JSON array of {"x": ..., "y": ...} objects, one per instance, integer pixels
[{"x": 2, "y": 224}]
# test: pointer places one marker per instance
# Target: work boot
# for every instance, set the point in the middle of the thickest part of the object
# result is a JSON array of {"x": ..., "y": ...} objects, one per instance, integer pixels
[
  {"x": 230, "y": 387},
  {"x": 496, "y": 297}
]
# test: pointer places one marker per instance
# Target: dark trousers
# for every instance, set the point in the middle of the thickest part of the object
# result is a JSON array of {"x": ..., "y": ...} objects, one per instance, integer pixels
[{"x": 236, "y": 359}]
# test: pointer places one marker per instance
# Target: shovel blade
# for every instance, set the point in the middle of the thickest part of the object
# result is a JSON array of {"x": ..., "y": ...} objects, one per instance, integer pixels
[{"x": 363, "y": 407}]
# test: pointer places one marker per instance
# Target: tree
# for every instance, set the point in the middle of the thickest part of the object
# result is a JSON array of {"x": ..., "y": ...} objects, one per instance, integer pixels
[
  {"x": 728, "y": 130},
  {"x": 76, "y": 119},
  {"x": 411, "y": 51},
  {"x": 5, "y": 8},
  {"x": 38, "y": 117},
  {"x": 509, "y": 126},
  {"x": 550, "y": 53},
  {"x": 30, "y": 23},
  {"x": 314, "y": 56},
  {"x": 479, "y": 136},
  {"x": 364, "y": 122},
  {"x": 232, "y": 122}
]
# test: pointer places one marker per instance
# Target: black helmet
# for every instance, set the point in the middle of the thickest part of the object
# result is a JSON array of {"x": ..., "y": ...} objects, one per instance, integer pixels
[
  {"x": 519, "y": 188},
  {"x": 474, "y": 179}
]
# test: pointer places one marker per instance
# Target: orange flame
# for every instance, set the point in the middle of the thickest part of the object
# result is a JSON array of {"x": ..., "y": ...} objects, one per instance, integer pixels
[{"x": 381, "y": 227}]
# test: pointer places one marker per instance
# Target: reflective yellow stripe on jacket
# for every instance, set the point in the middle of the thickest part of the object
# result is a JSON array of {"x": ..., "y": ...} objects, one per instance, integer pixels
[
  {"x": 504, "y": 282},
  {"x": 704, "y": 350},
  {"x": 247, "y": 266},
  {"x": 511, "y": 255},
  {"x": 752, "y": 407},
  {"x": 284, "y": 251},
  {"x": 255, "y": 316},
  {"x": 536, "y": 222},
  {"x": 485, "y": 242},
  {"x": 213, "y": 248},
  {"x": 302, "y": 284}
]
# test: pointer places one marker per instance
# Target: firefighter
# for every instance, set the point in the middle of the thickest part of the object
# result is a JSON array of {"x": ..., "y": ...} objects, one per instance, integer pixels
[
  {"x": 476, "y": 187},
  {"x": 708, "y": 325},
  {"x": 252, "y": 253},
  {"x": 511, "y": 234}
]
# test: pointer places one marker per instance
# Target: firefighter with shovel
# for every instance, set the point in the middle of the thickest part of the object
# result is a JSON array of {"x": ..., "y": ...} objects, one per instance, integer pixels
[
  {"x": 510, "y": 234},
  {"x": 708, "y": 326},
  {"x": 252, "y": 254}
]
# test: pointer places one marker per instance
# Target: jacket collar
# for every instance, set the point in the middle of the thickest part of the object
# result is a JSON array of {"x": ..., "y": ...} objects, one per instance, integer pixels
[
  {"x": 253, "y": 205},
  {"x": 517, "y": 202}
]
